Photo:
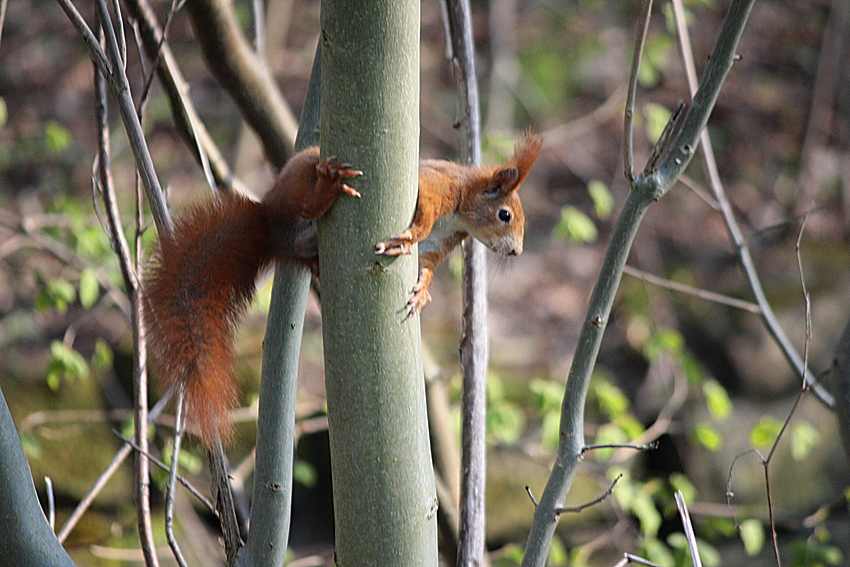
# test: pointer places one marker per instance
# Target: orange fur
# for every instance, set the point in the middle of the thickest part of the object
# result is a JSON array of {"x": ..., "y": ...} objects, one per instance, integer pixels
[
  {"x": 202, "y": 279},
  {"x": 482, "y": 201}
]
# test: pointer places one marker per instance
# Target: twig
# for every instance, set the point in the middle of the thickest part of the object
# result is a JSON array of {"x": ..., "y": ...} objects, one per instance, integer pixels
[
  {"x": 104, "y": 477},
  {"x": 172, "y": 478},
  {"x": 804, "y": 388},
  {"x": 629, "y": 558},
  {"x": 189, "y": 125},
  {"x": 473, "y": 345},
  {"x": 734, "y": 230},
  {"x": 691, "y": 290},
  {"x": 259, "y": 11},
  {"x": 651, "y": 446},
  {"x": 807, "y": 300},
  {"x": 641, "y": 29},
  {"x": 3, "y": 5},
  {"x": 580, "y": 507},
  {"x": 193, "y": 490},
  {"x": 699, "y": 191},
  {"x": 131, "y": 281},
  {"x": 572, "y": 129},
  {"x": 688, "y": 528},
  {"x": 51, "y": 503},
  {"x": 821, "y": 109},
  {"x": 238, "y": 69},
  {"x": 658, "y": 177}
]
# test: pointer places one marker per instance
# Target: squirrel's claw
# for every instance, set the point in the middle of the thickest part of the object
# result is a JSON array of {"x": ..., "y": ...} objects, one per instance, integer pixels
[
  {"x": 336, "y": 172},
  {"x": 393, "y": 247},
  {"x": 400, "y": 245},
  {"x": 419, "y": 299},
  {"x": 351, "y": 191}
]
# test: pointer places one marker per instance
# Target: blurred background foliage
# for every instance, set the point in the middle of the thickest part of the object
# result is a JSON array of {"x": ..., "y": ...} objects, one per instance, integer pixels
[{"x": 701, "y": 380}]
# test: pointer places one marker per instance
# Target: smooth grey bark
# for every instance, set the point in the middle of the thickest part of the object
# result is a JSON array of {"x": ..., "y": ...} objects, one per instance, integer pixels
[
  {"x": 27, "y": 539},
  {"x": 383, "y": 480},
  {"x": 272, "y": 496}
]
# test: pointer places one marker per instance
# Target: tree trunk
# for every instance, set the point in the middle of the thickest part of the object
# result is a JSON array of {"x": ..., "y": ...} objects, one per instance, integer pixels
[{"x": 384, "y": 494}]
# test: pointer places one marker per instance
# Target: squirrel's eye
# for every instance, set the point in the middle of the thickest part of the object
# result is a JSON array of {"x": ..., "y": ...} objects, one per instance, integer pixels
[{"x": 505, "y": 215}]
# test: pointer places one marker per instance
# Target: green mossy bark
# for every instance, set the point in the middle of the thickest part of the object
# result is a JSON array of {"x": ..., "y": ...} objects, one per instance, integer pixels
[{"x": 384, "y": 494}]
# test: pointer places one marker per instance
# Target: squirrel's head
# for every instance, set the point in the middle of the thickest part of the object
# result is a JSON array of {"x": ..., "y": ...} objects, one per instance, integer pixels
[{"x": 492, "y": 211}]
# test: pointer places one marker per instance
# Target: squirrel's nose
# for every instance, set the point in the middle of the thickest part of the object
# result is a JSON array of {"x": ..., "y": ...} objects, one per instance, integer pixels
[{"x": 513, "y": 252}]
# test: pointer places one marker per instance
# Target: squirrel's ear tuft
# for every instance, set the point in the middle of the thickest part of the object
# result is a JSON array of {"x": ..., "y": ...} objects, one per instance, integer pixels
[
  {"x": 526, "y": 152},
  {"x": 506, "y": 178}
]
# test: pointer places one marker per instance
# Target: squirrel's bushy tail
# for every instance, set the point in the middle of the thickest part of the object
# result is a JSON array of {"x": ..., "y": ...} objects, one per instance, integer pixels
[{"x": 197, "y": 287}]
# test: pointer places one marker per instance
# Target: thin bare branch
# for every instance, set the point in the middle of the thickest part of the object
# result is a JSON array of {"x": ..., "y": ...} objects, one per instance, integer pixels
[
  {"x": 193, "y": 490},
  {"x": 633, "y": 446},
  {"x": 641, "y": 29},
  {"x": 51, "y": 503},
  {"x": 238, "y": 69},
  {"x": 691, "y": 290},
  {"x": 3, "y": 5},
  {"x": 460, "y": 51},
  {"x": 580, "y": 507},
  {"x": 658, "y": 178},
  {"x": 131, "y": 281},
  {"x": 104, "y": 477},
  {"x": 172, "y": 478},
  {"x": 688, "y": 528},
  {"x": 97, "y": 53},
  {"x": 189, "y": 124},
  {"x": 739, "y": 243},
  {"x": 628, "y": 559}
]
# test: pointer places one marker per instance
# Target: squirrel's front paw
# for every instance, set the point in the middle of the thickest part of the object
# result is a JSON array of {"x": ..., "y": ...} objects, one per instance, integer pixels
[
  {"x": 337, "y": 172},
  {"x": 400, "y": 245},
  {"x": 420, "y": 297}
]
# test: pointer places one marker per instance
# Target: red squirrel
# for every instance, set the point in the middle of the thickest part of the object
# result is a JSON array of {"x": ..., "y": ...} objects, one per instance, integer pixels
[{"x": 201, "y": 279}]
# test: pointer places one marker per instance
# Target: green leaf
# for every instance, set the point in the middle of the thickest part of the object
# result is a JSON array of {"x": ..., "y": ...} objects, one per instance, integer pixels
[
  {"x": 708, "y": 553},
  {"x": 557, "y": 554},
  {"x": 102, "y": 357},
  {"x": 511, "y": 555},
  {"x": 550, "y": 430},
  {"x": 603, "y": 202},
  {"x": 804, "y": 438},
  {"x": 4, "y": 112},
  {"x": 56, "y": 294},
  {"x": 304, "y": 473},
  {"x": 664, "y": 340},
  {"x": 752, "y": 534},
  {"x": 576, "y": 226},
  {"x": 505, "y": 421},
  {"x": 681, "y": 483},
  {"x": 56, "y": 137},
  {"x": 611, "y": 399},
  {"x": 717, "y": 399},
  {"x": 65, "y": 362},
  {"x": 658, "y": 553},
  {"x": 657, "y": 117},
  {"x": 547, "y": 395},
  {"x": 89, "y": 288},
  {"x": 630, "y": 425},
  {"x": 765, "y": 431},
  {"x": 647, "y": 514},
  {"x": 707, "y": 436},
  {"x": 31, "y": 446}
]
